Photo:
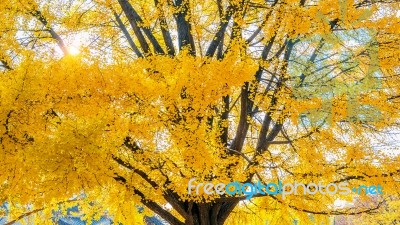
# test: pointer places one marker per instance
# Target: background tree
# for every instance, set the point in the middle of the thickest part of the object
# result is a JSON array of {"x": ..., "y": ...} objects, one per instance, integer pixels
[{"x": 114, "y": 104}]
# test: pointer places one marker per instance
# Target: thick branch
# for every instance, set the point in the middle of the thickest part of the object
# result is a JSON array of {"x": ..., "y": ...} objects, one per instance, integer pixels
[
  {"x": 170, "y": 196},
  {"x": 185, "y": 38},
  {"x": 129, "y": 12},
  {"x": 151, "y": 204},
  {"x": 243, "y": 124},
  {"x": 164, "y": 30},
  {"x": 133, "y": 16},
  {"x": 128, "y": 37},
  {"x": 38, "y": 15},
  {"x": 220, "y": 33}
]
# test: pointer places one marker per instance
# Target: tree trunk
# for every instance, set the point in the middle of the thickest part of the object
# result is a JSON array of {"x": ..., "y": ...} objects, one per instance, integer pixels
[{"x": 208, "y": 213}]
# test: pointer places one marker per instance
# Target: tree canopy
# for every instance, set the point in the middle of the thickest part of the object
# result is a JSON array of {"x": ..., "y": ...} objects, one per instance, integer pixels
[{"x": 115, "y": 105}]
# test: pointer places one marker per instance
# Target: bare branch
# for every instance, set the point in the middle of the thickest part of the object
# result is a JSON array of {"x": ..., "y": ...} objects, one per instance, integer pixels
[
  {"x": 135, "y": 19},
  {"x": 128, "y": 37},
  {"x": 129, "y": 13}
]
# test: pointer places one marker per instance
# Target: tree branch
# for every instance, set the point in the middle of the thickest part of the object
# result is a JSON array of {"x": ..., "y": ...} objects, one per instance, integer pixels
[
  {"x": 164, "y": 30},
  {"x": 185, "y": 38},
  {"x": 129, "y": 13},
  {"x": 151, "y": 204},
  {"x": 220, "y": 33},
  {"x": 128, "y": 37},
  {"x": 38, "y": 15}
]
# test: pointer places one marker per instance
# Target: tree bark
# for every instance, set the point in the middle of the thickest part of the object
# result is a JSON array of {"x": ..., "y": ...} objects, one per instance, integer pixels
[{"x": 209, "y": 213}]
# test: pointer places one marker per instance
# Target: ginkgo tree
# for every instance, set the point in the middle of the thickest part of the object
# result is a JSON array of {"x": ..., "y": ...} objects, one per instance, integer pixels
[{"x": 114, "y": 105}]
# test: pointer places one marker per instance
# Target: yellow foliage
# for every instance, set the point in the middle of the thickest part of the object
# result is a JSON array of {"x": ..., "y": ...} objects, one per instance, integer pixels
[{"x": 114, "y": 106}]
